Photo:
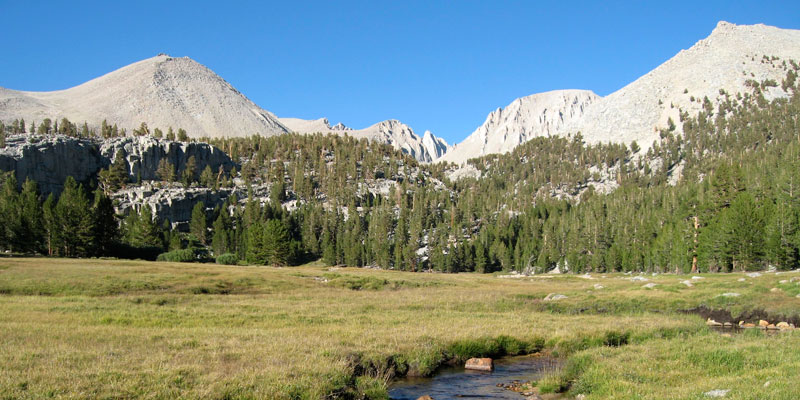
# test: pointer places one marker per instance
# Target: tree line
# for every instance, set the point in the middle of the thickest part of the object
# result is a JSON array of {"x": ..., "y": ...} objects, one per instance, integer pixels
[{"x": 360, "y": 203}]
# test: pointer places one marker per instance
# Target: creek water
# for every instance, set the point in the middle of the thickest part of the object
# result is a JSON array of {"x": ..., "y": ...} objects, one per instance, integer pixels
[{"x": 458, "y": 383}]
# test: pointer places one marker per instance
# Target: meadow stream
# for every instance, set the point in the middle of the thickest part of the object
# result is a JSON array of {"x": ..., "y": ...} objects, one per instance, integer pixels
[{"x": 458, "y": 383}]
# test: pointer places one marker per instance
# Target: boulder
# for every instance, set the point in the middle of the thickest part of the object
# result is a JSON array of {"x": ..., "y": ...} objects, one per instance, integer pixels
[
  {"x": 649, "y": 285},
  {"x": 554, "y": 297},
  {"x": 763, "y": 323},
  {"x": 783, "y": 325},
  {"x": 711, "y": 322},
  {"x": 426, "y": 397},
  {"x": 717, "y": 393},
  {"x": 479, "y": 364}
]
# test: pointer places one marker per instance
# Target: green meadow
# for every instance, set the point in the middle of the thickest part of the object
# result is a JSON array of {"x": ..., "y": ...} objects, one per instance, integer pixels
[{"x": 110, "y": 329}]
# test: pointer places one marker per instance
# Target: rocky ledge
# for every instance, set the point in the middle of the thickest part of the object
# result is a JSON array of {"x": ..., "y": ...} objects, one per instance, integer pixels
[{"x": 49, "y": 159}]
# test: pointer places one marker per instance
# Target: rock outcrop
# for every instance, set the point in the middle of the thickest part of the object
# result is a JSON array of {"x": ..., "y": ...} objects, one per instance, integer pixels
[
  {"x": 436, "y": 147},
  {"x": 162, "y": 91},
  {"x": 172, "y": 203},
  {"x": 48, "y": 160}
]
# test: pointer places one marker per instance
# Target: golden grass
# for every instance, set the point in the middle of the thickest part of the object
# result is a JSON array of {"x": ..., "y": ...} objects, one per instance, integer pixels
[{"x": 134, "y": 329}]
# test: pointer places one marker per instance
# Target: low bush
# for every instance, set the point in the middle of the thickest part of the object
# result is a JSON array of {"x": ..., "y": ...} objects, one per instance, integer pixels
[
  {"x": 182, "y": 255},
  {"x": 227, "y": 259}
]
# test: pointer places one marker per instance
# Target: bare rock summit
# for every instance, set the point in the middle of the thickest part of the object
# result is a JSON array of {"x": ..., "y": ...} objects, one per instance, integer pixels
[
  {"x": 162, "y": 91},
  {"x": 728, "y": 62},
  {"x": 541, "y": 114}
]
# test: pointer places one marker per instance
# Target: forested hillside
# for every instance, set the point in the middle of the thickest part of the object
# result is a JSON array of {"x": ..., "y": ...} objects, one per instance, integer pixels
[{"x": 721, "y": 196}]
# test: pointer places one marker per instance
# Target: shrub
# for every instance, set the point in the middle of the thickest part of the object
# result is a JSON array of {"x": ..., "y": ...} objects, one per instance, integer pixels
[
  {"x": 227, "y": 259},
  {"x": 616, "y": 339},
  {"x": 183, "y": 255}
]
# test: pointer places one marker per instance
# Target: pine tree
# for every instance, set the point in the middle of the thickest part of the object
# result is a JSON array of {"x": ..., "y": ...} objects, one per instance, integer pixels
[
  {"x": 31, "y": 232},
  {"x": 277, "y": 242},
  {"x": 141, "y": 230},
  {"x": 50, "y": 223},
  {"x": 221, "y": 240},
  {"x": 207, "y": 178},
  {"x": 105, "y": 227},
  {"x": 116, "y": 176},
  {"x": 74, "y": 221},
  {"x": 105, "y": 130},
  {"x": 277, "y": 193},
  {"x": 747, "y": 233},
  {"x": 198, "y": 226},
  {"x": 9, "y": 212},
  {"x": 189, "y": 171},
  {"x": 256, "y": 252},
  {"x": 165, "y": 171}
]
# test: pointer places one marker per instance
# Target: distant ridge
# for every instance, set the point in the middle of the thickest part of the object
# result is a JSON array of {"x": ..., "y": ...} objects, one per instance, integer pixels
[
  {"x": 392, "y": 132},
  {"x": 164, "y": 91}
]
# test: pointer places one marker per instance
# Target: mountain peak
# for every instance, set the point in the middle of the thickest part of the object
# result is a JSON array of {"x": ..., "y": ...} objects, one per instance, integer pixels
[
  {"x": 724, "y": 25},
  {"x": 540, "y": 114},
  {"x": 162, "y": 91}
]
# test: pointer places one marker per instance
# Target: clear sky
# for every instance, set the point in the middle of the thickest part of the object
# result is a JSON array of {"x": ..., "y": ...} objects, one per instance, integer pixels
[{"x": 435, "y": 65}]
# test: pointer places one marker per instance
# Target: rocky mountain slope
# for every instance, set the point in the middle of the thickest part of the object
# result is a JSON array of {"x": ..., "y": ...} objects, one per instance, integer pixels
[
  {"x": 730, "y": 57},
  {"x": 435, "y": 146},
  {"x": 729, "y": 61},
  {"x": 48, "y": 160},
  {"x": 393, "y": 132},
  {"x": 162, "y": 91},
  {"x": 541, "y": 114}
]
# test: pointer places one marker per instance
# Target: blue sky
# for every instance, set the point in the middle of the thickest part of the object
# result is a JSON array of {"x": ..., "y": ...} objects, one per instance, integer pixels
[{"x": 435, "y": 65}]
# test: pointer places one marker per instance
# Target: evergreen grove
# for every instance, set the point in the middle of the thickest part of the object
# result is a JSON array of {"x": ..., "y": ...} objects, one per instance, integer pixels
[{"x": 735, "y": 208}]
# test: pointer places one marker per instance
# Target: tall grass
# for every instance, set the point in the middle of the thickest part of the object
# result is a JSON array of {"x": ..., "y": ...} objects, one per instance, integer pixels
[{"x": 106, "y": 328}]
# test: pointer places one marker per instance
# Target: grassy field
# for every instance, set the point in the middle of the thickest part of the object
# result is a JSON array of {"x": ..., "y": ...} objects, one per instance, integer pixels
[{"x": 134, "y": 329}]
